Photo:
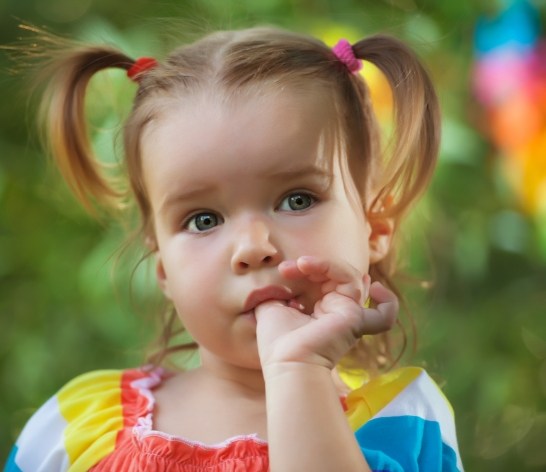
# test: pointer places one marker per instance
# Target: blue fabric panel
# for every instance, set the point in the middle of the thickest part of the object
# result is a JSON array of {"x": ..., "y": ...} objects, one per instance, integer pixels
[
  {"x": 405, "y": 444},
  {"x": 11, "y": 466}
]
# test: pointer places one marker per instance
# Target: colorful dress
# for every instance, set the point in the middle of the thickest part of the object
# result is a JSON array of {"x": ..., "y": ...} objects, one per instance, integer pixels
[{"x": 102, "y": 421}]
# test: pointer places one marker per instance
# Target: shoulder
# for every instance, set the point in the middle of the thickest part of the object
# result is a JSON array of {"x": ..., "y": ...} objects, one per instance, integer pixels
[
  {"x": 404, "y": 417},
  {"x": 79, "y": 425}
]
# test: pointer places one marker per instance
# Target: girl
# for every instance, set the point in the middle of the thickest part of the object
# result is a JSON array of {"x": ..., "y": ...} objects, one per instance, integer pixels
[{"x": 269, "y": 204}]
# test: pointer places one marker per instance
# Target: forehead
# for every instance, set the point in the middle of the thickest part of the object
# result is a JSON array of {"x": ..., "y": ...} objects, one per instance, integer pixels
[{"x": 211, "y": 135}]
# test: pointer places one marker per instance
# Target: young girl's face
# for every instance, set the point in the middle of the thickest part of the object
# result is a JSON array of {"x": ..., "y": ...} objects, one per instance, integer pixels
[{"x": 235, "y": 188}]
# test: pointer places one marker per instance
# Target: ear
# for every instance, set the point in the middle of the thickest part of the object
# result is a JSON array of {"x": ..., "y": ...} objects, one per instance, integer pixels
[
  {"x": 381, "y": 232},
  {"x": 161, "y": 276},
  {"x": 150, "y": 242}
]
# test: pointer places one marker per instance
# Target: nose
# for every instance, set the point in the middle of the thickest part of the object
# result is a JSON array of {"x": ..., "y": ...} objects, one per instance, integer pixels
[{"x": 253, "y": 248}]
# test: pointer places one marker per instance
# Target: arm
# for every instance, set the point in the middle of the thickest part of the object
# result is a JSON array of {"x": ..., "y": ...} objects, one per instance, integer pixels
[{"x": 307, "y": 429}]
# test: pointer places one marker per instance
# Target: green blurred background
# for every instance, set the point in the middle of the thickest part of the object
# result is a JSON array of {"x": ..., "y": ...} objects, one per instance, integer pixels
[{"x": 69, "y": 304}]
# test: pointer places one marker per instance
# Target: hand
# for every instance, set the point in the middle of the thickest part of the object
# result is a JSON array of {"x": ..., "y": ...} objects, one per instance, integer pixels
[{"x": 339, "y": 319}]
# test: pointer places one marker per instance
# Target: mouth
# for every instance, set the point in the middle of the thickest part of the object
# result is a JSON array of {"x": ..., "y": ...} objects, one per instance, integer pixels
[{"x": 271, "y": 292}]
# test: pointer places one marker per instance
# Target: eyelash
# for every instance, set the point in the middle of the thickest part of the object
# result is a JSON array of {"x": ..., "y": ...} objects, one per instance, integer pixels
[
  {"x": 312, "y": 200},
  {"x": 217, "y": 219},
  {"x": 193, "y": 218}
]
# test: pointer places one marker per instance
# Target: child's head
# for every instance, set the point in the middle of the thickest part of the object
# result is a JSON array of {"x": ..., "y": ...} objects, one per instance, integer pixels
[{"x": 250, "y": 147}]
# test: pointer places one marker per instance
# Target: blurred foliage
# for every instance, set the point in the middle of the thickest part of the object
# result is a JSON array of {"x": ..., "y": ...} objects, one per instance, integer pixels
[{"x": 69, "y": 304}]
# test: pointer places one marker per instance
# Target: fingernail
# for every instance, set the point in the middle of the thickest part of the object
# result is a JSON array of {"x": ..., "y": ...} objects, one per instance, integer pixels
[{"x": 295, "y": 304}]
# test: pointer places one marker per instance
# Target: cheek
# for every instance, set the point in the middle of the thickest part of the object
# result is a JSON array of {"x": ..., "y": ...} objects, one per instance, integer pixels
[
  {"x": 193, "y": 264},
  {"x": 340, "y": 234}
]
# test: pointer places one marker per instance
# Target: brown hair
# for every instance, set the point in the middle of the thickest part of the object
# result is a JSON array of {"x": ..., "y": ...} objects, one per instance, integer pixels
[{"x": 259, "y": 57}]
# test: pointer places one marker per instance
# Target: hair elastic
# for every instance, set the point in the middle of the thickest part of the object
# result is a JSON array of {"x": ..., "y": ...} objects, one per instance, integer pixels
[
  {"x": 344, "y": 52},
  {"x": 141, "y": 65}
]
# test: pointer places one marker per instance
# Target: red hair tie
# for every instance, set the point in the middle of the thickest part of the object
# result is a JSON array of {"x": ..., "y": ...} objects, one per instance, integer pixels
[
  {"x": 344, "y": 52},
  {"x": 141, "y": 65}
]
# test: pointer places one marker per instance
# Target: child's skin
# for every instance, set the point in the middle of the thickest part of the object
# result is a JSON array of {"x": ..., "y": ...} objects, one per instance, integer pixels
[{"x": 264, "y": 249}]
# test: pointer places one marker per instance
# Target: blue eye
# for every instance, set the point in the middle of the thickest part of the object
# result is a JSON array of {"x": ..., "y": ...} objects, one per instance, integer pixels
[
  {"x": 202, "y": 222},
  {"x": 297, "y": 201}
]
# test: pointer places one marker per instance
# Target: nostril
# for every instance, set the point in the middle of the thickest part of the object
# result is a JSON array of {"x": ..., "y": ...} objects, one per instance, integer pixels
[
  {"x": 267, "y": 259},
  {"x": 243, "y": 265}
]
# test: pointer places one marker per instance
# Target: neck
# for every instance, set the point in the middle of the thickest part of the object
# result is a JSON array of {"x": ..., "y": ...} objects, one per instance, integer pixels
[{"x": 246, "y": 381}]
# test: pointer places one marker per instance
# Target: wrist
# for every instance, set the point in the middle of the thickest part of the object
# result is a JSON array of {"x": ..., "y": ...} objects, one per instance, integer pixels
[
  {"x": 297, "y": 359},
  {"x": 295, "y": 371}
]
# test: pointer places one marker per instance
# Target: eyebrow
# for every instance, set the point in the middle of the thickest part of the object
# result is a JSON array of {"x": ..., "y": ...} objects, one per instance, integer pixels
[
  {"x": 172, "y": 199},
  {"x": 309, "y": 171},
  {"x": 281, "y": 176}
]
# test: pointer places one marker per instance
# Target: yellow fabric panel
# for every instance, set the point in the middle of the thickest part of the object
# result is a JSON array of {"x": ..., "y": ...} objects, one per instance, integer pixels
[
  {"x": 366, "y": 401},
  {"x": 91, "y": 405},
  {"x": 353, "y": 378}
]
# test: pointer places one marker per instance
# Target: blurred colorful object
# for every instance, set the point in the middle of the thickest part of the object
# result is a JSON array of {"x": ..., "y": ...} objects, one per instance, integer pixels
[{"x": 510, "y": 83}]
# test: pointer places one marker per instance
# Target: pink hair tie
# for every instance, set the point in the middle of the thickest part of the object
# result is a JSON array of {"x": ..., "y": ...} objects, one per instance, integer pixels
[
  {"x": 344, "y": 52},
  {"x": 140, "y": 66}
]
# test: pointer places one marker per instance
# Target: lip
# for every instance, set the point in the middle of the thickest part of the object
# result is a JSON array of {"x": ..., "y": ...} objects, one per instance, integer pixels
[{"x": 271, "y": 292}]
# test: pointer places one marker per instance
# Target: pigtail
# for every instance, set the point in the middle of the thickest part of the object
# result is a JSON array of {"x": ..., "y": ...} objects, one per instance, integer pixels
[
  {"x": 66, "y": 69},
  {"x": 403, "y": 173},
  {"x": 409, "y": 164}
]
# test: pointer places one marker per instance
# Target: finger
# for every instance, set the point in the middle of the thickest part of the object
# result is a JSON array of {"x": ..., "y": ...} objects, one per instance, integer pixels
[
  {"x": 289, "y": 269},
  {"x": 313, "y": 268},
  {"x": 322, "y": 270},
  {"x": 339, "y": 277},
  {"x": 383, "y": 316},
  {"x": 381, "y": 294}
]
